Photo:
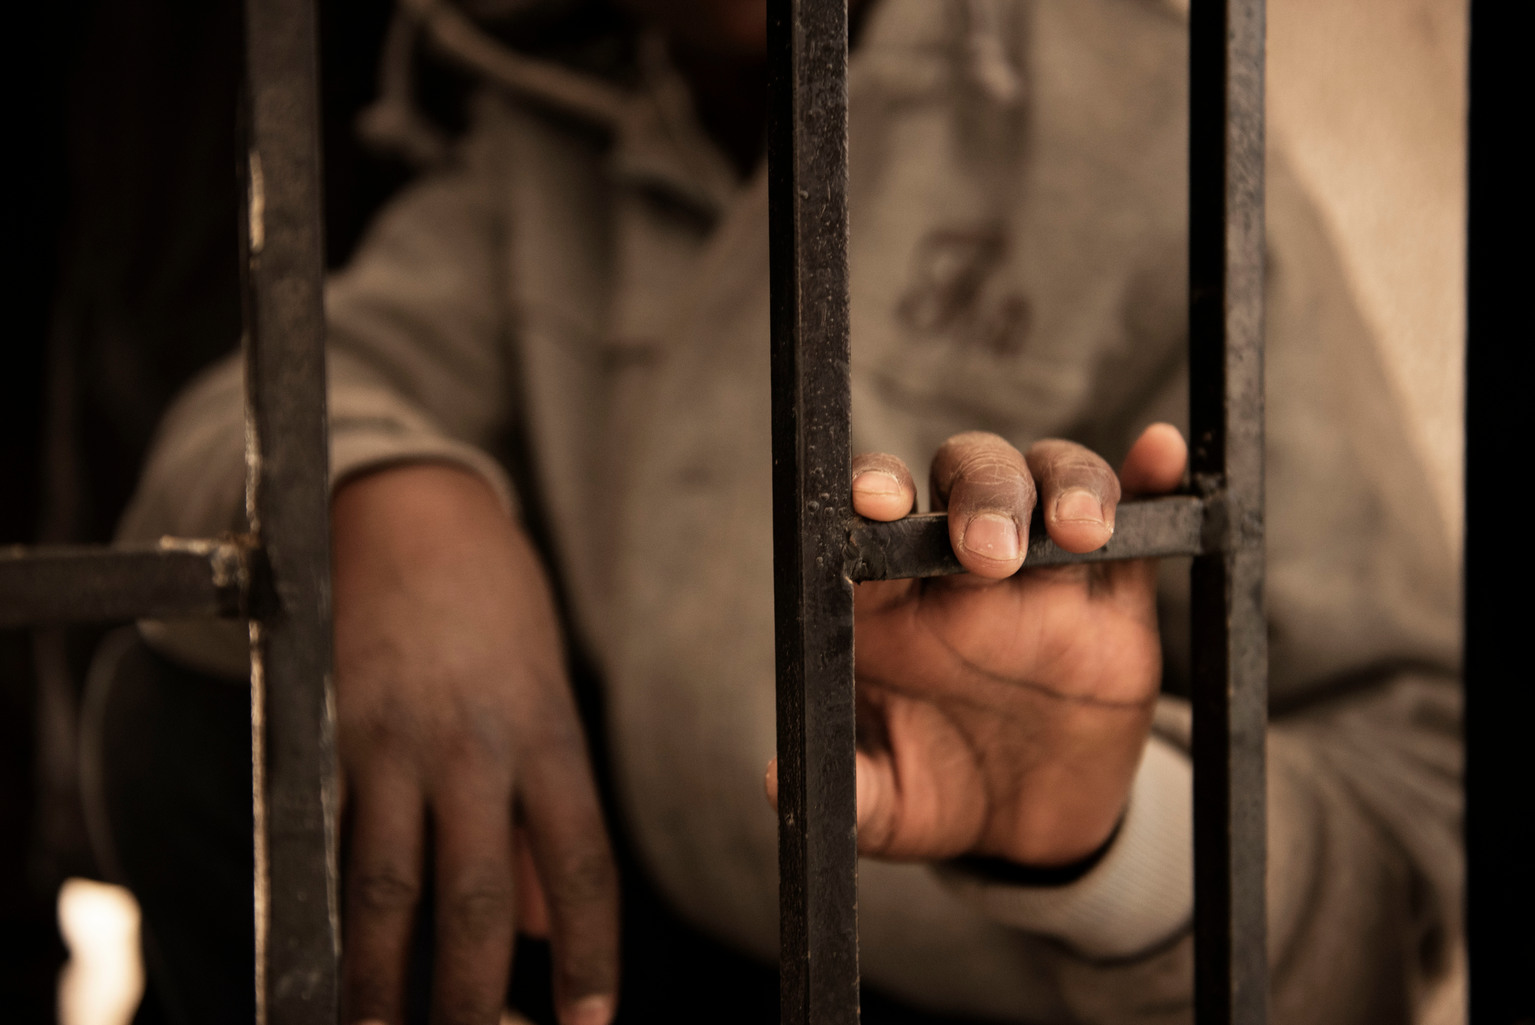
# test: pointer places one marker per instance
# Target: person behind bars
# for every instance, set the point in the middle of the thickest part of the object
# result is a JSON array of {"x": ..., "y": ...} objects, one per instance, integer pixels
[{"x": 563, "y": 329}]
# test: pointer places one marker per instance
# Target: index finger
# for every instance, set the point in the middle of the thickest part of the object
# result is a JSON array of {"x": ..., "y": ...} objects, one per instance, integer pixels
[{"x": 986, "y": 486}]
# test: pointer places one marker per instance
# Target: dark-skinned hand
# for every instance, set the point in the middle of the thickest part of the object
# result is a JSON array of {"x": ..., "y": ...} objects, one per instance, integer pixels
[
  {"x": 1002, "y": 712},
  {"x": 457, "y": 727}
]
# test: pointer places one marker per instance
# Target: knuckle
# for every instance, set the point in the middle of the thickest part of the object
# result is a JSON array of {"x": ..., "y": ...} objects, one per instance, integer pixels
[
  {"x": 1082, "y": 470},
  {"x": 381, "y": 725},
  {"x": 882, "y": 461},
  {"x": 475, "y": 740},
  {"x": 386, "y": 890},
  {"x": 478, "y": 909},
  {"x": 992, "y": 484},
  {"x": 583, "y": 880},
  {"x": 991, "y": 468},
  {"x": 1079, "y": 462}
]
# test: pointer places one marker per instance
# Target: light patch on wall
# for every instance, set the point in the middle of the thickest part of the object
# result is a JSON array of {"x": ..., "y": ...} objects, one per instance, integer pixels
[{"x": 1367, "y": 99}]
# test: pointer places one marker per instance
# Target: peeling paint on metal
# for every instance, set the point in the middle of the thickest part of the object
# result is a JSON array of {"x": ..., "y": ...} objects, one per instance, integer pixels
[{"x": 262, "y": 881}]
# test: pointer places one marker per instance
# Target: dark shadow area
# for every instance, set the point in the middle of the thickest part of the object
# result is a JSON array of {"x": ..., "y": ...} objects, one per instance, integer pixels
[
  {"x": 1500, "y": 772},
  {"x": 122, "y": 281}
]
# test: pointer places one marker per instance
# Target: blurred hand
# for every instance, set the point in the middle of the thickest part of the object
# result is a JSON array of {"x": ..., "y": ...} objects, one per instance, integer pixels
[
  {"x": 1003, "y": 712},
  {"x": 457, "y": 729}
]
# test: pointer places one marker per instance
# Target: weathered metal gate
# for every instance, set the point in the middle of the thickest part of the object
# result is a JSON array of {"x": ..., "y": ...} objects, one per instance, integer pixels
[
  {"x": 277, "y": 574},
  {"x": 820, "y": 547}
]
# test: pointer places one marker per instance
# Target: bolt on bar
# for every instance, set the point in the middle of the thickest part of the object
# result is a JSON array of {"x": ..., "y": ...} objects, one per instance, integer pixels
[
  {"x": 812, "y": 506},
  {"x": 1230, "y": 643},
  {"x": 292, "y": 706}
]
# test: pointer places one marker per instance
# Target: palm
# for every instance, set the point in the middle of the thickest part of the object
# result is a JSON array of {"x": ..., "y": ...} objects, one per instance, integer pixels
[{"x": 977, "y": 700}]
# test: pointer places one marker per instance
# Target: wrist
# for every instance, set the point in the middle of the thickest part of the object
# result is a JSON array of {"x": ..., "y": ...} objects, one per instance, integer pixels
[
  {"x": 1064, "y": 812},
  {"x": 1006, "y": 872},
  {"x": 1134, "y": 898}
]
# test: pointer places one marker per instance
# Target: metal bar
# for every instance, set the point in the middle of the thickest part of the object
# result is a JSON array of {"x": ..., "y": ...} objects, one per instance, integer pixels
[
  {"x": 1230, "y": 699},
  {"x": 292, "y": 711},
  {"x": 918, "y": 546},
  {"x": 812, "y": 511},
  {"x": 176, "y": 579}
]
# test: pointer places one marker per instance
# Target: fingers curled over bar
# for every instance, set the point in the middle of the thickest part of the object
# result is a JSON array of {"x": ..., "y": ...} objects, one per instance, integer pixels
[
  {"x": 883, "y": 488},
  {"x": 988, "y": 490},
  {"x": 1079, "y": 494}
]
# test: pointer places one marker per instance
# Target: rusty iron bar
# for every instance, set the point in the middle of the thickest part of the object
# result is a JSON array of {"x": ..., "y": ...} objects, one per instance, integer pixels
[
  {"x": 193, "y": 578},
  {"x": 918, "y": 546},
  {"x": 1222, "y": 525},
  {"x": 812, "y": 507},
  {"x": 292, "y": 707},
  {"x": 175, "y": 579},
  {"x": 1230, "y": 645}
]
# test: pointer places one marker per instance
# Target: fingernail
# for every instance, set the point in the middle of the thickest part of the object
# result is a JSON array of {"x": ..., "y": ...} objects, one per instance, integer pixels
[
  {"x": 1078, "y": 505},
  {"x": 591, "y": 1011},
  {"x": 993, "y": 536},
  {"x": 877, "y": 483}
]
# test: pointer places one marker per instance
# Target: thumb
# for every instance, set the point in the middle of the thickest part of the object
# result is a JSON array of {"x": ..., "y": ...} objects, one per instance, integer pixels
[
  {"x": 1156, "y": 462},
  {"x": 1154, "y": 466}
]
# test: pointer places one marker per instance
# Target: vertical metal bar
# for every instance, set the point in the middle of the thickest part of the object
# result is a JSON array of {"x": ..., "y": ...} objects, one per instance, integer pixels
[
  {"x": 292, "y": 709},
  {"x": 1226, "y": 417},
  {"x": 812, "y": 510}
]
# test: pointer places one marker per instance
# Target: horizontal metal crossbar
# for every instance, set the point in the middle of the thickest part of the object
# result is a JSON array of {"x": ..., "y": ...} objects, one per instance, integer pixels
[
  {"x": 179, "y": 578},
  {"x": 173, "y": 579},
  {"x": 918, "y": 546}
]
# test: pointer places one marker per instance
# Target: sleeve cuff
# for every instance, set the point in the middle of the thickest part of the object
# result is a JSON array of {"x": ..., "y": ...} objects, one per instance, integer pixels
[
  {"x": 1138, "y": 896},
  {"x": 371, "y": 429}
]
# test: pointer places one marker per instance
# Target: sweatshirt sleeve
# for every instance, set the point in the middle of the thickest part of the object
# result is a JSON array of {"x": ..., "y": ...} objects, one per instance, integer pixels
[
  {"x": 416, "y": 365},
  {"x": 1363, "y": 753}
]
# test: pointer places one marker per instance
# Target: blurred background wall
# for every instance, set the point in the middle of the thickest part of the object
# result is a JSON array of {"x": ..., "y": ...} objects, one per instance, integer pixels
[{"x": 1369, "y": 97}]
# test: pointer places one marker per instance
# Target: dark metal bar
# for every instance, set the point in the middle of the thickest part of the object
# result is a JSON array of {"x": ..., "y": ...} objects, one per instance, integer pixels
[
  {"x": 918, "y": 546},
  {"x": 176, "y": 579},
  {"x": 812, "y": 510},
  {"x": 1230, "y": 692},
  {"x": 292, "y": 718}
]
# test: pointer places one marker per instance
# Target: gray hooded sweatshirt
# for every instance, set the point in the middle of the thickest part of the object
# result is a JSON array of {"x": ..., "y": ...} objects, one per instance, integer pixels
[{"x": 589, "y": 287}]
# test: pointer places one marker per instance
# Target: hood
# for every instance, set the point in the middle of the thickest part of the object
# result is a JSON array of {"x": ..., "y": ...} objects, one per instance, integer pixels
[{"x": 579, "y": 58}]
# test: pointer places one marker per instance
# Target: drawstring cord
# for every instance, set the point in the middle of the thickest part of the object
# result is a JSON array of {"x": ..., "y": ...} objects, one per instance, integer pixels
[
  {"x": 394, "y": 123},
  {"x": 985, "y": 55}
]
